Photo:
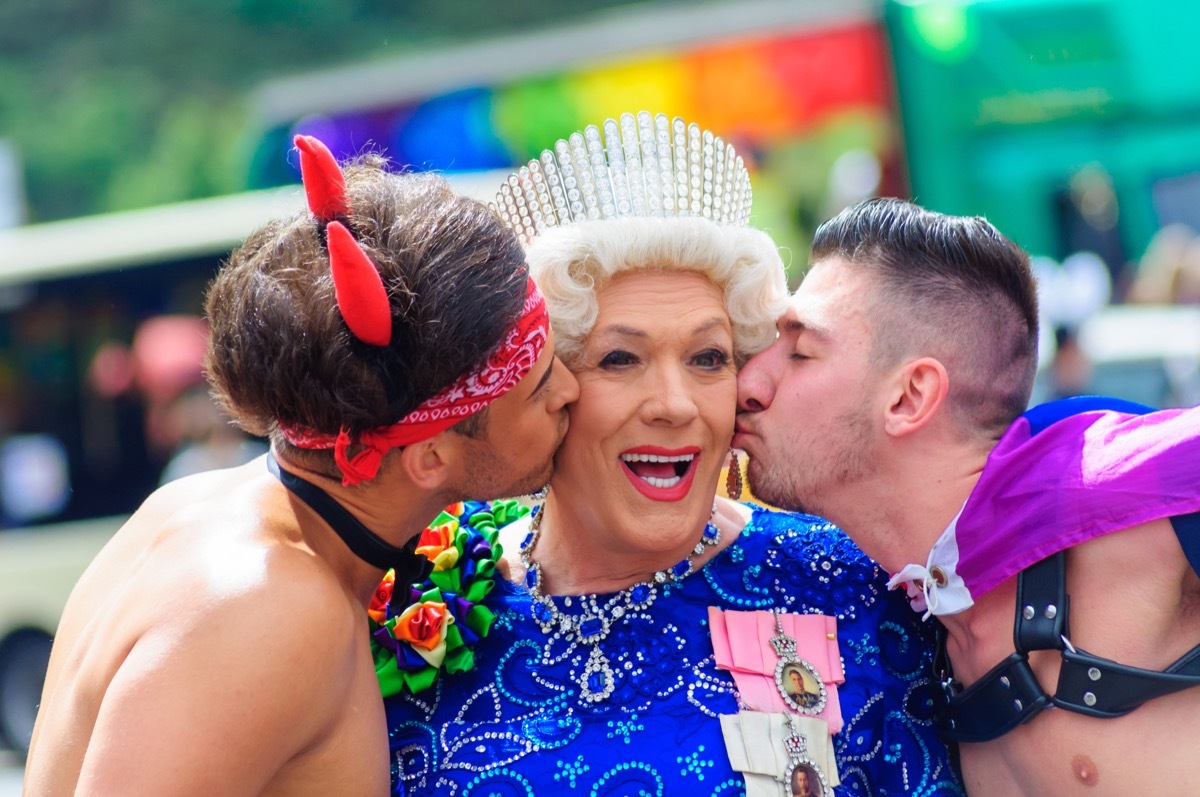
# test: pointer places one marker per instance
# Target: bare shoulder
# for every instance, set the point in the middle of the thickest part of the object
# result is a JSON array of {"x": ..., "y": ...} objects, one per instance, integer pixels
[
  {"x": 231, "y": 695},
  {"x": 224, "y": 538},
  {"x": 208, "y": 640},
  {"x": 1135, "y": 595},
  {"x": 273, "y": 614},
  {"x": 260, "y": 607},
  {"x": 1149, "y": 550},
  {"x": 219, "y": 555},
  {"x": 257, "y": 575}
]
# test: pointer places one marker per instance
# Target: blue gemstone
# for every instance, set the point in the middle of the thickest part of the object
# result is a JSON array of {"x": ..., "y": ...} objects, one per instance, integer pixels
[
  {"x": 531, "y": 578},
  {"x": 591, "y": 626},
  {"x": 710, "y": 532},
  {"x": 682, "y": 569},
  {"x": 597, "y": 682},
  {"x": 525, "y": 542},
  {"x": 542, "y": 613},
  {"x": 640, "y": 593}
]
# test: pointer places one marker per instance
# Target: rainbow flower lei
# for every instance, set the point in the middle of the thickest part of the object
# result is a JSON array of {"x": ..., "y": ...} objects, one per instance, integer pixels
[{"x": 433, "y": 626}]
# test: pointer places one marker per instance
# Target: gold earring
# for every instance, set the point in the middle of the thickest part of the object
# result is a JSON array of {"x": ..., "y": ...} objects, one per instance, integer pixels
[{"x": 733, "y": 477}]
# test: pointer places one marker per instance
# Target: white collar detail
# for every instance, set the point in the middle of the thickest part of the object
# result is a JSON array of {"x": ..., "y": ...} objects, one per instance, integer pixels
[{"x": 936, "y": 588}]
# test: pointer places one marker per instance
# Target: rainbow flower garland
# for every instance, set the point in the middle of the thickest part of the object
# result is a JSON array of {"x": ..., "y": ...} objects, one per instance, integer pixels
[{"x": 433, "y": 625}]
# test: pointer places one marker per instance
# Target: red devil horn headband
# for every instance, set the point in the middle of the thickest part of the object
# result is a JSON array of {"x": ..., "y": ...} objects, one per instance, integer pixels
[{"x": 361, "y": 297}]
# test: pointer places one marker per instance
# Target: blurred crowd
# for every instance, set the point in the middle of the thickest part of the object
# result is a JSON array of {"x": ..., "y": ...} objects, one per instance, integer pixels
[
  {"x": 1125, "y": 329},
  {"x": 162, "y": 372},
  {"x": 142, "y": 418}
]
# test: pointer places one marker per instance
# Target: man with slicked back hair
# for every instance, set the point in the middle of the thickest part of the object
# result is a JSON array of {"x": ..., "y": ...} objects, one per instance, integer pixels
[{"x": 894, "y": 403}]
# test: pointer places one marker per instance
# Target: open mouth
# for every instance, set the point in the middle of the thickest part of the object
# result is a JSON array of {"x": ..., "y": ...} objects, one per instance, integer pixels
[
  {"x": 659, "y": 471},
  {"x": 661, "y": 474}
]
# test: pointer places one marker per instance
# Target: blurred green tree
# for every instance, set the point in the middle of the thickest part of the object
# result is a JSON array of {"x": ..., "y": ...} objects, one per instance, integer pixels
[{"x": 116, "y": 104}]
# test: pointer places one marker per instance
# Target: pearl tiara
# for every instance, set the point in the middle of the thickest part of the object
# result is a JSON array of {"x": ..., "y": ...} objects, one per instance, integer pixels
[{"x": 646, "y": 166}]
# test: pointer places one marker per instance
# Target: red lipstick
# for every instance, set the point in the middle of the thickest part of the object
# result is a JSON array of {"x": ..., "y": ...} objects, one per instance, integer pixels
[{"x": 675, "y": 491}]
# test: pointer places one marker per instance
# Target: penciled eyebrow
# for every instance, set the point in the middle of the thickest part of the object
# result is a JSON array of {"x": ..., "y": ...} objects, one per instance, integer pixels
[
  {"x": 707, "y": 325},
  {"x": 633, "y": 332},
  {"x": 541, "y": 382},
  {"x": 620, "y": 330}
]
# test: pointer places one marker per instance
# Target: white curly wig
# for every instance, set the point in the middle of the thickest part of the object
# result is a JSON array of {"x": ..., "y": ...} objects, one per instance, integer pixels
[{"x": 572, "y": 263}]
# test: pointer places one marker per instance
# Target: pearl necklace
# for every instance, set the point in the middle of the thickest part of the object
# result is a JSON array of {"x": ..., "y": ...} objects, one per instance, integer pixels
[{"x": 592, "y": 625}]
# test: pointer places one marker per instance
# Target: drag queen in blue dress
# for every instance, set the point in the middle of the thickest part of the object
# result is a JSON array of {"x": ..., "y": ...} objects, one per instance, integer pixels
[{"x": 648, "y": 638}]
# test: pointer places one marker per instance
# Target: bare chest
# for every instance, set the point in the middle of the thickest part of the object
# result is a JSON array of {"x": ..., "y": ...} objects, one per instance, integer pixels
[
  {"x": 1128, "y": 610},
  {"x": 1148, "y": 752}
]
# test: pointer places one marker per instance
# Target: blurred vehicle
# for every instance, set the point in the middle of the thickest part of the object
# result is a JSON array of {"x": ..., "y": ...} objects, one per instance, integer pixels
[
  {"x": 76, "y": 425},
  {"x": 101, "y": 397},
  {"x": 803, "y": 86},
  {"x": 1148, "y": 354},
  {"x": 1070, "y": 124},
  {"x": 1144, "y": 353},
  {"x": 37, "y": 572}
]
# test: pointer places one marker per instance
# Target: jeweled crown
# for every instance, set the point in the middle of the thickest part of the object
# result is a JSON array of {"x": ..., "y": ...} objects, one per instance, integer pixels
[{"x": 647, "y": 166}]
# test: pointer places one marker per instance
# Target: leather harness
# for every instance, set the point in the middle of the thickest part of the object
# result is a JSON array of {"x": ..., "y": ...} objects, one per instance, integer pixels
[{"x": 1010, "y": 694}]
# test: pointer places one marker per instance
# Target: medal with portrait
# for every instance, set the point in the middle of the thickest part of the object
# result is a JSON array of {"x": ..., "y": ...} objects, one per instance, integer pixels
[
  {"x": 798, "y": 681},
  {"x": 803, "y": 777}
]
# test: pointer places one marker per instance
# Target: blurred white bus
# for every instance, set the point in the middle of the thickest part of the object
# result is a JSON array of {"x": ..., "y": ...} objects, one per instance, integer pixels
[
  {"x": 1145, "y": 353},
  {"x": 1149, "y": 354}
]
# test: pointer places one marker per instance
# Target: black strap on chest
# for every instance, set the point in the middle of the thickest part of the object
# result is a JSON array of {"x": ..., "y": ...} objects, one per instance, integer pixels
[
  {"x": 410, "y": 567},
  {"x": 1010, "y": 694}
]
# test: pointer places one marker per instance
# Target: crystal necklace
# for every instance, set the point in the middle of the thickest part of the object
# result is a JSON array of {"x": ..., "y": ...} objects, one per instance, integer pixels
[{"x": 591, "y": 626}]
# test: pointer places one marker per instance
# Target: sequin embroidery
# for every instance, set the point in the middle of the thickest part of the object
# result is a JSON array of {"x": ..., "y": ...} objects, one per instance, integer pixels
[{"x": 518, "y": 725}]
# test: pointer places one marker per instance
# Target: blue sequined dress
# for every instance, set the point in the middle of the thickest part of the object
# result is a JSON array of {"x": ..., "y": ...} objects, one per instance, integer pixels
[{"x": 516, "y": 724}]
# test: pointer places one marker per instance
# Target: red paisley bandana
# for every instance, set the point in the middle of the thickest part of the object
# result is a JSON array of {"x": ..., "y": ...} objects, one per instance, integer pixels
[{"x": 506, "y": 366}]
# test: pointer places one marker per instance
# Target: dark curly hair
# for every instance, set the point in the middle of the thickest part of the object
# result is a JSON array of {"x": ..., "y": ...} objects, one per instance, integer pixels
[{"x": 279, "y": 351}]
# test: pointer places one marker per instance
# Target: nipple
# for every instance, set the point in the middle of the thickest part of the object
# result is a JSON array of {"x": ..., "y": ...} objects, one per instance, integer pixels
[{"x": 1085, "y": 770}]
